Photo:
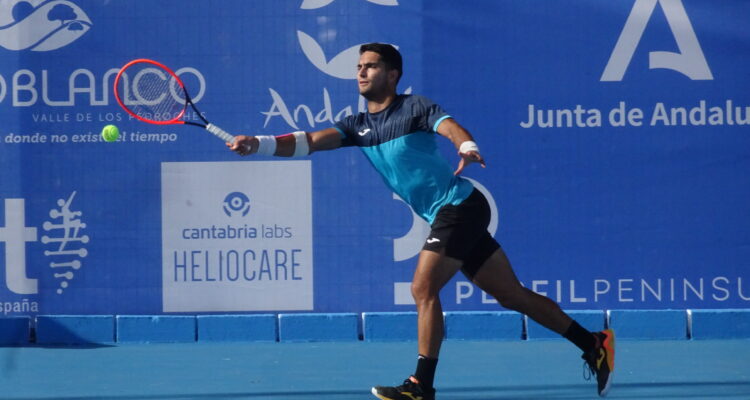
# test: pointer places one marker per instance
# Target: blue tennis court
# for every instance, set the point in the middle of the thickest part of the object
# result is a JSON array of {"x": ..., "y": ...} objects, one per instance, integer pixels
[{"x": 346, "y": 370}]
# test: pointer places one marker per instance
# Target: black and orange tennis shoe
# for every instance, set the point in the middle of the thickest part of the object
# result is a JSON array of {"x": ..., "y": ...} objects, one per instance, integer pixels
[
  {"x": 601, "y": 361},
  {"x": 409, "y": 390}
]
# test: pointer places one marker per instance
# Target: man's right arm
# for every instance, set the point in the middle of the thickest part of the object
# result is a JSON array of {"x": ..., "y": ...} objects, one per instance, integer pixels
[{"x": 294, "y": 144}]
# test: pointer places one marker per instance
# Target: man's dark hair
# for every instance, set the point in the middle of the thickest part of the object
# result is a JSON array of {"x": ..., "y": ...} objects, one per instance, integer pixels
[{"x": 388, "y": 54}]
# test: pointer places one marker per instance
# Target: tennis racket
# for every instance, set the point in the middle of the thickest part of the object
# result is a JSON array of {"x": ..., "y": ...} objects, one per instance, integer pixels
[{"x": 153, "y": 93}]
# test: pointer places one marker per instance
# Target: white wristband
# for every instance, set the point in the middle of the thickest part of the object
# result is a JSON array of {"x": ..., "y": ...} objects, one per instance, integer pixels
[
  {"x": 301, "y": 147},
  {"x": 266, "y": 145},
  {"x": 468, "y": 146}
]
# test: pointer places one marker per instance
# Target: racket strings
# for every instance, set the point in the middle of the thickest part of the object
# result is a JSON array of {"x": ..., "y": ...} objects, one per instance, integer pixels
[{"x": 151, "y": 93}]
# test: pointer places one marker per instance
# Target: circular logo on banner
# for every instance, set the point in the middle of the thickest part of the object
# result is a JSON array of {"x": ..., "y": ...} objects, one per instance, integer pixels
[{"x": 236, "y": 203}]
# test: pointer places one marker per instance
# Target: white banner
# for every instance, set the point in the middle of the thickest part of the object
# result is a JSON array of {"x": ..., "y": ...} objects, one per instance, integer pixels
[{"x": 235, "y": 237}]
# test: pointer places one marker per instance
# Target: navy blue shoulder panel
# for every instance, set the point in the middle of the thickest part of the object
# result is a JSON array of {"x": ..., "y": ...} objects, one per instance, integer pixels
[{"x": 407, "y": 114}]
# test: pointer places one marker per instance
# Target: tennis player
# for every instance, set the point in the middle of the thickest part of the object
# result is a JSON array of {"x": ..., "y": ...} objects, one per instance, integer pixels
[{"x": 397, "y": 134}]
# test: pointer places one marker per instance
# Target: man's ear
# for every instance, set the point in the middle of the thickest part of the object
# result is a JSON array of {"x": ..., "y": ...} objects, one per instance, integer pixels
[{"x": 393, "y": 76}]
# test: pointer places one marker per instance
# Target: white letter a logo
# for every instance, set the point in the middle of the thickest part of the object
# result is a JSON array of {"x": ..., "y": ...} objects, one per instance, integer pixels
[{"x": 690, "y": 61}]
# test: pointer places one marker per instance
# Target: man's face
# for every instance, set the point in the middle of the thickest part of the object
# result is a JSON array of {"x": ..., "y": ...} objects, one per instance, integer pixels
[{"x": 373, "y": 77}]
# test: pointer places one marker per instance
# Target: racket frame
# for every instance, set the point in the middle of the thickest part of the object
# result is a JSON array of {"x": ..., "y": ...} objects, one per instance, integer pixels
[{"x": 178, "y": 118}]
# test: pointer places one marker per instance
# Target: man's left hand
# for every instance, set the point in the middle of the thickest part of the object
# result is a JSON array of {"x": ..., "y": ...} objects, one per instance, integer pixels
[{"x": 469, "y": 158}]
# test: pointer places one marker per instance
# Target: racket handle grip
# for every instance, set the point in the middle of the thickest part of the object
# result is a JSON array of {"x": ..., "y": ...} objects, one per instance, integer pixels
[{"x": 220, "y": 133}]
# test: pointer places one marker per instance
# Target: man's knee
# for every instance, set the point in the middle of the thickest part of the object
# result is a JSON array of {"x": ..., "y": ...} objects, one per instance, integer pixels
[{"x": 423, "y": 291}]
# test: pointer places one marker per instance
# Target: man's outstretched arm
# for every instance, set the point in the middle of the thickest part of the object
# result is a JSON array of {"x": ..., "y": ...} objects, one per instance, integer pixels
[{"x": 296, "y": 144}]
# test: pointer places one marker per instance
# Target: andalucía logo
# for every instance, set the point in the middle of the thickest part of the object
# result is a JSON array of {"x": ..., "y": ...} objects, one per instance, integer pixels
[
  {"x": 340, "y": 65},
  {"x": 690, "y": 61},
  {"x": 313, "y": 4},
  {"x": 41, "y": 25}
]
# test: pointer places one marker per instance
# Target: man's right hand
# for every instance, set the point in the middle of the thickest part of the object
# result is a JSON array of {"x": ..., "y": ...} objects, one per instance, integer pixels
[{"x": 244, "y": 145}]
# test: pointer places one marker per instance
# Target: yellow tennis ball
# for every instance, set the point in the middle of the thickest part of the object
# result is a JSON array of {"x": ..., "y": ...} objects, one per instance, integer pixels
[{"x": 110, "y": 133}]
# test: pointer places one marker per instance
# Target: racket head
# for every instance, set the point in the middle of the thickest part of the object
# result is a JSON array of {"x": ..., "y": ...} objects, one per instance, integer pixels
[{"x": 151, "y": 92}]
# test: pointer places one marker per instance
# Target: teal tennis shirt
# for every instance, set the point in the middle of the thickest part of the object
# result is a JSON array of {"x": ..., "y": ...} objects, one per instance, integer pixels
[{"x": 400, "y": 143}]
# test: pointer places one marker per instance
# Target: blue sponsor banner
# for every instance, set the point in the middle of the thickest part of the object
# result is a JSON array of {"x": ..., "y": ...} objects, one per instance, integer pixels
[{"x": 615, "y": 134}]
